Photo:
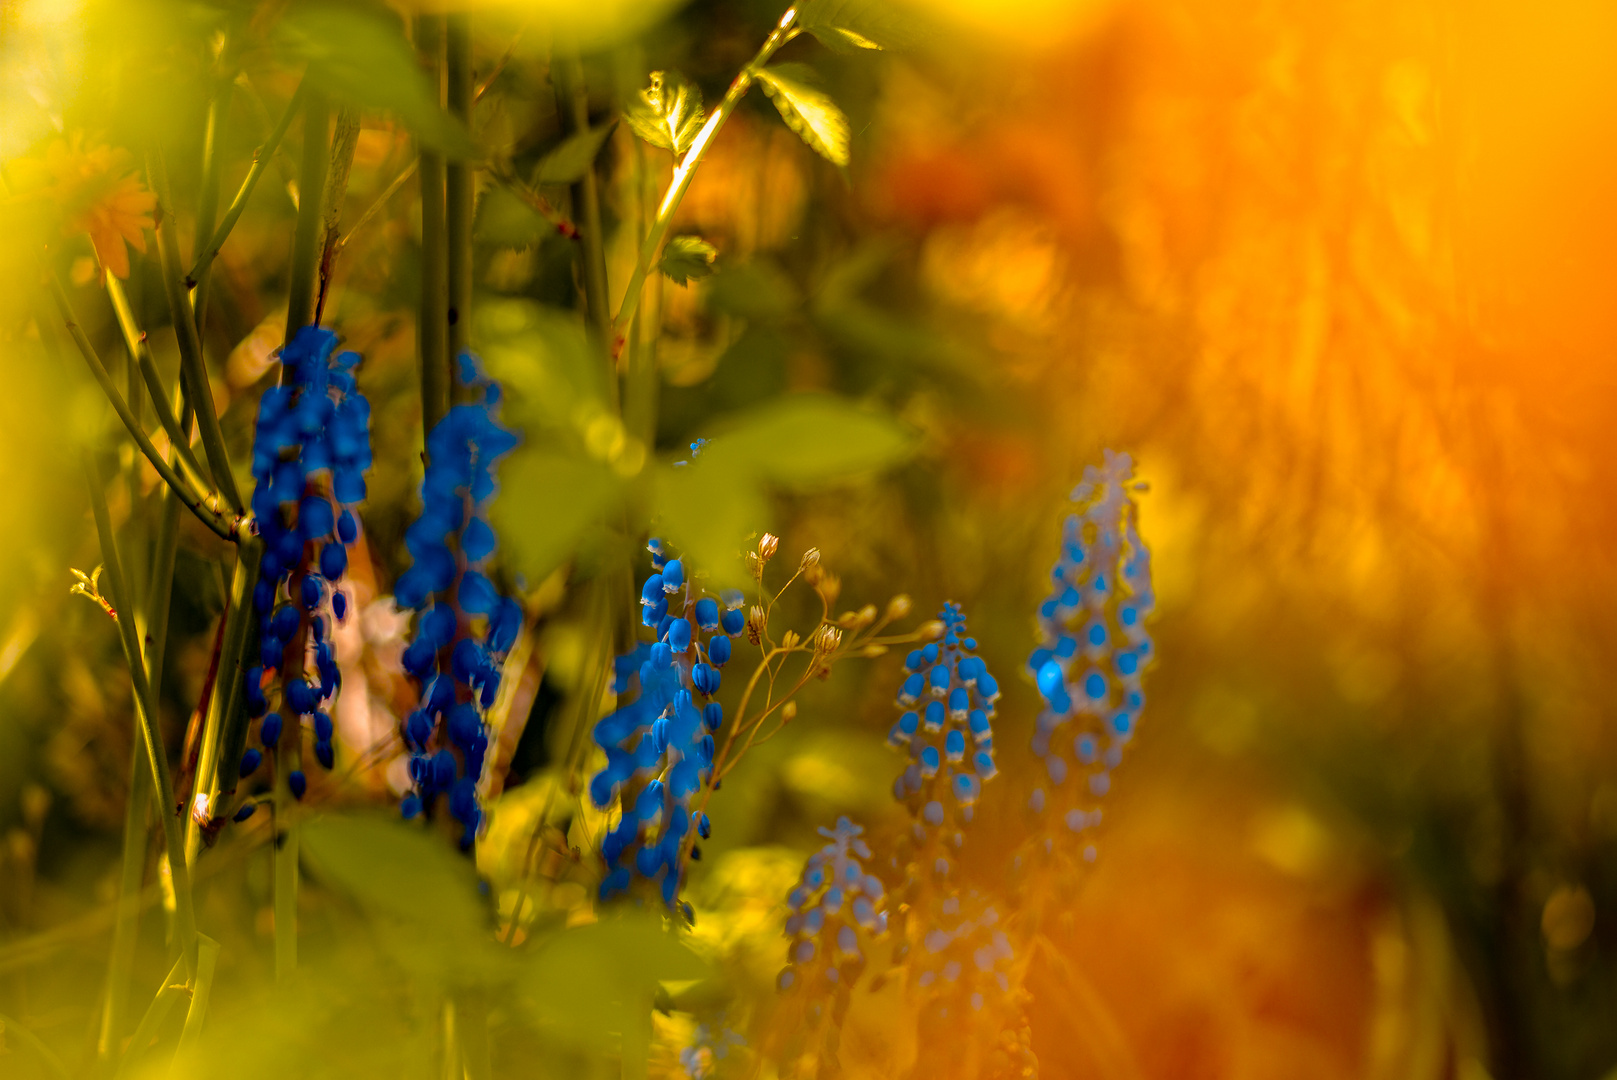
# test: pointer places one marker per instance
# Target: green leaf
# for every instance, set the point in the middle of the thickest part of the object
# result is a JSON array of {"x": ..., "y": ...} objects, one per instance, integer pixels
[
  {"x": 668, "y": 113},
  {"x": 687, "y": 257},
  {"x": 553, "y": 374},
  {"x": 394, "y": 869},
  {"x": 807, "y": 111},
  {"x": 854, "y": 26},
  {"x": 549, "y": 503},
  {"x": 708, "y": 508},
  {"x": 364, "y": 59},
  {"x": 569, "y": 162},
  {"x": 504, "y": 220},
  {"x": 585, "y": 982},
  {"x": 812, "y": 439}
]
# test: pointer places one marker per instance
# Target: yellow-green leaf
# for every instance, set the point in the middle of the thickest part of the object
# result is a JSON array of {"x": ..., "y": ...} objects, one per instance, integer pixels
[
  {"x": 573, "y": 158},
  {"x": 807, "y": 110},
  {"x": 687, "y": 257},
  {"x": 668, "y": 113}
]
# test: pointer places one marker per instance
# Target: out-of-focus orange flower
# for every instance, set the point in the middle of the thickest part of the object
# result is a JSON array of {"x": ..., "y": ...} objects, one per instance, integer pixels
[{"x": 95, "y": 191}]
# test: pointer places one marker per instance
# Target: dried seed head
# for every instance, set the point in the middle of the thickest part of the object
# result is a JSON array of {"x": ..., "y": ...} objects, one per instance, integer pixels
[
  {"x": 755, "y": 624},
  {"x": 827, "y": 640},
  {"x": 811, "y": 557},
  {"x": 866, "y": 616},
  {"x": 898, "y": 606},
  {"x": 755, "y": 565},
  {"x": 790, "y": 639},
  {"x": 767, "y": 543}
]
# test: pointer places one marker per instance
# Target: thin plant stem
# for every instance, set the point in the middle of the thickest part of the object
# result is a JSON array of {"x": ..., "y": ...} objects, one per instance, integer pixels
[
  {"x": 300, "y": 299},
  {"x": 221, "y": 741},
  {"x": 651, "y": 249},
  {"x": 120, "y": 967},
  {"x": 156, "y": 1013},
  {"x": 145, "y": 708},
  {"x": 432, "y": 325},
  {"x": 35, "y": 1043},
  {"x": 135, "y": 343},
  {"x": 572, "y": 105},
  {"x": 201, "y": 988},
  {"x": 286, "y": 856},
  {"x": 208, "y": 201},
  {"x": 206, "y": 508},
  {"x": 261, "y": 159},
  {"x": 344, "y": 141},
  {"x": 193, "y": 367},
  {"x": 460, "y": 181}
]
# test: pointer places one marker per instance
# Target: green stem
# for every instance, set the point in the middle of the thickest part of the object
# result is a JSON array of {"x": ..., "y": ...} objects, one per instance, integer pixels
[
  {"x": 46, "y": 1054},
  {"x": 287, "y": 759},
  {"x": 306, "y": 233},
  {"x": 261, "y": 160},
  {"x": 156, "y": 1013},
  {"x": 201, "y": 987},
  {"x": 146, "y": 710},
  {"x": 206, "y": 509},
  {"x": 193, "y": 367},
  {"x": 208, "y": 202},
  {"x": 135, "y": 342},
  {"x": 224, "y": 727},
  {"x": 651, "y": 249},
  {"x": 120, "y": 967},
  {"x": 432, "y": 328},
  {"x": 573, "y": 106},
  {"x": 473, "y": 1032},
  {"x": 460, "y": 184}
]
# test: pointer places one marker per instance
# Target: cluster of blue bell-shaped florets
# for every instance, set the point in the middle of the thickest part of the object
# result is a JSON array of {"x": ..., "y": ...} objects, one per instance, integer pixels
[
  {"x": 1094, "y": 646},
  {"x": 311, "y": 450},
  {"x": 713, "y": 1041},
  {"x": 951, "y": 736},
  {"x": 466, "y": 627},
  {"x": 659, "y": 745},
  {"x": 836, "y": 907}
]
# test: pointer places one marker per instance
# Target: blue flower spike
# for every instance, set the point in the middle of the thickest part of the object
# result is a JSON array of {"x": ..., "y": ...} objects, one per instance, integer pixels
[
  {"x": 946, "y": 726},
  {"x": 659, "y": 742},
  {"x": 1093, "y": 650},
  {"x": 836, "y": 910},
  {"x": 465, "y": 627},
  {"x": 311, "y": 450}
]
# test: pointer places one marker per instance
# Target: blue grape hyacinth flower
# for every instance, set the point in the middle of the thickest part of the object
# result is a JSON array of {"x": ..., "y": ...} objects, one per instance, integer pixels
[
  {"x": 311, "y": 450},
  {"x": 659, "y": 741},
  {"x": 837, "y": 910},
  {"x": 1094, "y": 648},
  {"x": 948, "y": 698},
  {"x": 465, "y": 627}
]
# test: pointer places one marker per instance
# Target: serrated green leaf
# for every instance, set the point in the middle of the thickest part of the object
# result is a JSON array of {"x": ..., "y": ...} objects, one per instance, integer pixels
[
  {"x": 569, "y": 162},
  {"x": 808, "y": 111},
  {"x": 852, "y": 26},
  {"x": 687, "y": 257},
  {"x": 364, "y": 59},
  {"x": 549, "y": 502},
  {"x": 812, "y": 439},
  {"x": 668, "y": 113}
]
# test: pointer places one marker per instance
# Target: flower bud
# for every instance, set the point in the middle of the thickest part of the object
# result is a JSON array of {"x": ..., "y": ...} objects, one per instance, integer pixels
[
  {"x": 755, "y": 624},
  {"x": 932, "y": 630},
  {"x": 788, "y": 712},
  {"x": 767, "y": 543},
  {"x": 829, "y": 586},
  {"x": 898, "y": 606},
  {"x": 790, "y": 639},
  {"x": 811, "y": 558}
]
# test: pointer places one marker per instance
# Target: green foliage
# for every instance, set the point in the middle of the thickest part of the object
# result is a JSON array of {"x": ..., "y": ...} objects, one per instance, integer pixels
[
  {"x": 856, "y": 26},
  {"x": 668, "y": 113},
  {"x": 687, "y": 257},
  {"x": 504, "y": 220},
  {"x": 364, "y": 58},
  {"x": 807, "y": 110},
  {"x": 553, "y": 499},
  {"x": 568, "y": 163}
]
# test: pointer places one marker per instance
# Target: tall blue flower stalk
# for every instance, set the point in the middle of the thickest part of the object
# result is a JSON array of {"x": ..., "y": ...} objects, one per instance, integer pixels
[
  {"x": 1093, "y": 649},
  {"x": 948, "y": 699},
  {"x": 310, "y": 453},
  {"x": 659, "y": 743},
  {"x": 465, "y": 626}
]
